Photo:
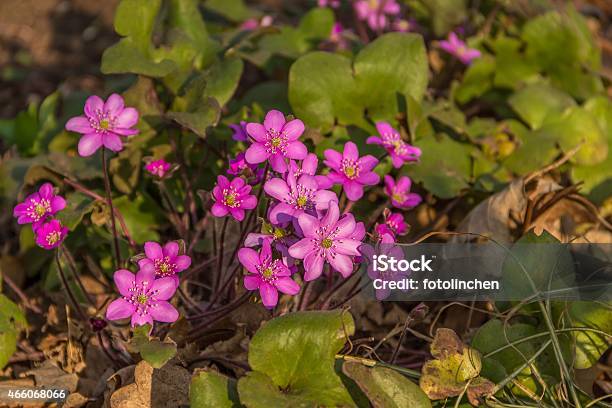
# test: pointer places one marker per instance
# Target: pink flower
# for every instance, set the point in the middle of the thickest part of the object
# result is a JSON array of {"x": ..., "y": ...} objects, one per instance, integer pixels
[
  {"x": 459, "y": 49},
  {"x": 330, "y": 3},
  {"x": 326, "y": 240},
  {"x": 296, "y": 196},
  {"x": 350, "y": 170},
  {"x": 337, "y": 36},
  {"x": 232, "y": 198},
  {"x": 309, "y": 166},
  {"x": 394, "y": 224},
  {"x": 103, "y": 124},
  {"x": 240, "y": 134},
  {"x": 143, "y": 297},
  {"x": 254, "y": 24},
  {"x": 267, "y": 274},
  {"x": 391, "y": 140},
  {"x": 385, "y": 247},
  {"x": 376, "y": 12},
  {"x": 239, "y": 167},
  {"x": 164, "y": 262},
  {"x": 400, "y": 194},
  {"x": 50, "y": 234},
  {"x": 37, "y": 207},
  {"x": 276, "y": 140},
  {"x": 158, "y": 168}
]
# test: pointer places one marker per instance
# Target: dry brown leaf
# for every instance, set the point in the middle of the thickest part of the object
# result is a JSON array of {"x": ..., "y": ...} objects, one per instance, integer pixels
[{"x": 49, "y": 375}]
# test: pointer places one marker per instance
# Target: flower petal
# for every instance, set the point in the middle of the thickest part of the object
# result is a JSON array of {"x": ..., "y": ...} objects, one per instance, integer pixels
[
  {"x": 119, "y": 309},
  {"x": 79, "y": 124},
  {"x": 350, "y": 151},
  {"x": 269, "y": 295},
  {"x": 341, "y": 263},
  {"x": 153, "y": 250},
  {"x": 281, "y": 213},
  {"x": 275, "y": 120},
  {"x": 114, "y": 105},
  {"x": 141, "y": 320},
  {"x": 171, "y": 249},
  {"x": 237, "y": 213},
  {"x": 293, "y": 129},
  {"x": 256, "y": 153},
  {"x": 302, "y": 248},
  {"x": 374, "y": 140},
  {"x": 124, "y": 280},
  {"x": 257, "y": 131},
  {"x": 369, "y": 178},
  {"x": 249, "y": 202},
  {"x": 163, "y": 311},
  {"x": 249, "y": 258},
  {"x": 165, "y": 288},
  {"x": 277, "y": 162},
  {"x": 367, "y": 163},
  {"x": 385, "y": 128},
  {"x": 287, "y": 285},
  {"x": 252, "y": 282},
  {"x": 333, "y": 213},
  {"x": 112, "y": 142},
  {"x": 145, "y": 277},
  {"x": 93, "y": 105},
  {"x": 333, "y": 158},
  {"x": 127, "y": 118},
  {"x": 89, "y": 143},
  {"x": 296, "y": 150},
  {"x": 309, "y": 224},
  {"x": 219, "y": 210},
  {"x": 277, "y": 188},
  {"x": 313, "y": 266},
  {"x": 345, "y": 226},
  {"x": 348, "y": 246},
  {"x": 353, "y": 190},
  {"x": 57, "y": 204},
  {"x": 182, "y": 262}
]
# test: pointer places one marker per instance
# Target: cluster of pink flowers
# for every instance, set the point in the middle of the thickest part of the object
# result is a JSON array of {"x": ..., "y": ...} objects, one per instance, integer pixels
[
  {"x": 381, "y": 15},
  {"x": 145, "y": 295},
  {"x": 158, "y": 168},
  {"x": 38, "y": 209},
  {"x": 459, "y": 49},
  {"x": 303, "y": 219}
]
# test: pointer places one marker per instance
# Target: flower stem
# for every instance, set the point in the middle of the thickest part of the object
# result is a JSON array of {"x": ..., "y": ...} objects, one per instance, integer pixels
[
  {"x": 73, "y": 299},
  {"x": 109, "y": 201},
  {"x": 73, "y": 270},
  {"x": 221, "y": 248}
]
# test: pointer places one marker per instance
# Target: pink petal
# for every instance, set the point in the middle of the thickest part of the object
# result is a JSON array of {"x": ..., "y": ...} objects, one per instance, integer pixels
[
  {"x": 350, "y": 151},
  {"x": 79, "y": 124},
  {"x": 369, "y": 179},
  {"x": 141, "y": 320},
  {"x": 322, "y": 199},
  {"x": 309, "y": 164},
  {"x": 57, "y": 204},
  {"x": 374, "y": 140},
  {"x": 89, "y": 143},
  {"x": 153, "y": 250},
  {"x": 249, "y": 202},
  {"x": 404, "y": 184},
  {"x": 287, "y": 285},
  {"x": 296, "y": 150},
  {"x": 277, "y": 188},
  {"x": 124, "y": 280},
  {"x": 257, "y": 131},
  {"x": 93, "y": 105},
  {"x": 249, "y": 258},
  {"x": 348, "y": 246},
  {"x": 182, "y": 262},
  {"x": 293, "y": 129},
  {"x": 237, "y": 213},
  {"x": 163, "y": 311},
  {"x": 367, "y": 163},
  {"x": 302, "y": 248},
  {"x": 119, "y": 309},
  {"x": 275, "y": 120},
  {"x": 309, "y": 224},
  {"x": 341, "y": 263},
  {"x": 219, "y": 210},
  {"x": 313, "y": 266},
  {"x": 112, "y": 142},
  {"x": 345, "y": 226},
  {"x": 127, "y": 118},
  {"x": 46, "y": 190},
  {"x": 333, "y": 213},
  {"x": 281, "y": 213},
  {"x": 333, "y": 158},
  {"x": 277, "y": 161},
  {"x": 145, "y": 277},
  {"x": 256, "y": 153},
  {"x": 165, "y": 287},
  {"x": 353, "y": 190},
  {"x": 252, "y": 282},
  {"x": 114, "y": 105},
  {"x": 171, "y": 249},
  {"x": 384, "y": 128},
  {"x": 269, "y": 295}
]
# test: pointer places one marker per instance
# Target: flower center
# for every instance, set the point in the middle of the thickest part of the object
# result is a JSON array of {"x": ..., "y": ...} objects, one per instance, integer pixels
[
  {"x": 267, "y": 272},
  {"x": 350, "y": 168},
  {"x": 278, "y": 233},
  {"x": 40, "y": 210},
  {"x": 275, "y": 141},
  {"x": 327, "y": 243},
  {"x": 302, "y": 201},
  {"x": 142, "y": 299},
  {"x": 104, "y": 124},
  {"x": 53, "y": 237},
  {"x": 399, "y": 197},
  {"x": 163, "y": 267},
  {"x": 230, "y": 198}
]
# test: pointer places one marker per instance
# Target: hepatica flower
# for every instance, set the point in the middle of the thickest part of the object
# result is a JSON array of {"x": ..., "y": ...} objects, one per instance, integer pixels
[
  {"x": 143, "y": 298},
  {"x": 238, "y": 166},
  {"x": 296, "y": 196},
  {"x": 276, "y": 140},
  {"x": 394, "y": 225},
  {"x": 350, "y": 170},
  {"x": 454, "y": 46},
  {"x": 391, "y": 140},
  {"x": 164, "y": 261},
  {"x": 376, "y": 12},
  {"x": 240, "y": 134},
  {"x": 328, "y": 3},
  {"x": 399, "y": 192},
  {"x": 267, "y": 274},
  {"x": 158, "y": 168},
  {"x": 51, "y": 234},
  {"x": 326, "y": 240},
  {"x": 103, "y": 124},
  {"x": 37, "y": 207},
  {"x": 232, "y": 198}
]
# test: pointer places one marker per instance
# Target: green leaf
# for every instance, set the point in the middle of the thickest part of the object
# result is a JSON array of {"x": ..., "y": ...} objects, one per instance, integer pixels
[
  {"x": 125, "y": 169},
  {"x": 140, "y": 216},
  {"x": 222, "y": 79},
  {"x": 534, "y": 102},
  {"x": 590, "y": 346},
  {"x": 477, "y": 80},
  {"x": 386, "y": 387},
  {"x": 233, "y": 10},
  {"x": 12, "y": 321},
  {"x": 293, "y": 360},
  {"x": 511, "y": 66},
  {"x": 446, "y": 14},
  {"x": 142, "y": 11},
  {"x": 77, "y": 206},
  {"x": 212, "y": 390},
  {"x": 323, "y": 88},
  {"x": 152, "y": 350},
  {"x": 444, "y": 167}
]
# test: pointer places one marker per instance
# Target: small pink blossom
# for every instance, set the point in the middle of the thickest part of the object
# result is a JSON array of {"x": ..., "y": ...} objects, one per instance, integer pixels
[
  {"x": 326, "y": 240},
  {"x": 338, "y": 36},
  {"x": 328, "y": 3},
  {"x": 164, "y": 261},
  {"x": 143, "y": 298},
  {"x": 103, "y": 124},
  {"x": 238, "y": 166},
  {"x": 400, "y": 151},
  {"x": 266, "y": 274},
  {"x": 37, "y": 207},
  {"x": 394, "y": 224},
  {"x": 350, "y": 170},
  {"x": 240, "y": 134},
  {"x": 400, "y": 194},
  {"x": 454, "y": 46},
  {"x": 158, "y": 168},
  {"x": 253, "y": 23},
  {"x": 276, "y": 140},
  {"x": 376, "y": 12},
  {"x": 232, "y": 198},
  {"x": 50, "y": 234}
]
